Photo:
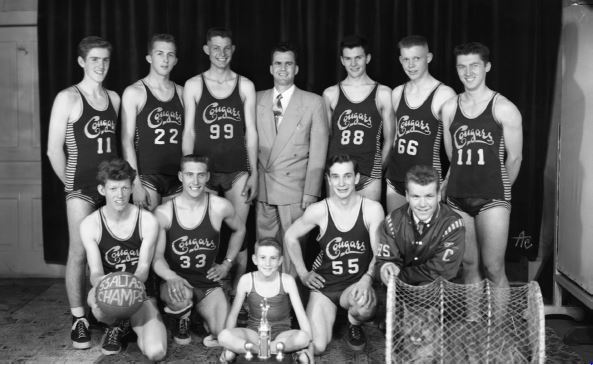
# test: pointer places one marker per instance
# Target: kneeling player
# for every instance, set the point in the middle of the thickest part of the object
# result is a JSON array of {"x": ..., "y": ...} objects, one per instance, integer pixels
[
  {"x": 121, "y": 237},
  {"x": 187, "y": 247},
  {"x": 281, "y": 293},
  {"x": 342, "y": 274}
]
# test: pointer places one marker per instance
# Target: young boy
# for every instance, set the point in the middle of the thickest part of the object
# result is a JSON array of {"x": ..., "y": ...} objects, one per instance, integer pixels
[
  {"x": 281, "y": 293},
  {"x": 122, "y": 237}
]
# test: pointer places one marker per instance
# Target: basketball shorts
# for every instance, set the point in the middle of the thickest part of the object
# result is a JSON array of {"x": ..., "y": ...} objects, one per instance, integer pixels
[
  {"x": 475, "y": 206},
  {"x": 364, "y": 182},
  {"x": 332, "y": 294},
  {"x": 277, "y": 327},
  {"x": 223, "y": 181},
  {"x": 398, "y": 186},
  {"x": 89, "y": 194},
  {"x": 164, "y": 185}
]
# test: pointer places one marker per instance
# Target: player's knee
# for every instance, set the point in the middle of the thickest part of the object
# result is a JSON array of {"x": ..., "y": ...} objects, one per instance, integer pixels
[
  {"x": 494, "y": 270},
  {"x": 224, "y": 337},
  {"x": 302, "y": 339},
  {"x": 319, "y": 346}
]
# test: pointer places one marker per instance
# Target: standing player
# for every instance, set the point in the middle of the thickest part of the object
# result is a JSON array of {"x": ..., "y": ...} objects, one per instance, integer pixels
[
  {"x": 188, "y": 244},
  {"x": 342, "y": 274},
  {"x": 152, "y": 125},
  {"x": 122, "y": 237},
  {"x": 220, "y": 124},
  {"x": 361, "y": 117},
  {"x": 84, "y": 117},
  {"x": 419, "y": 129},
  {"x": 423, "y": 239},
  {"x": 484, "y": 141}
]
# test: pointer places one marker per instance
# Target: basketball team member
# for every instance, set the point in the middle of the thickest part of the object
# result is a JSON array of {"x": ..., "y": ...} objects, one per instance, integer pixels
[
  {"x": 188, "y": 243},
  {"x": 122, "y": 237},
  {"x": 481, "y": 128},
  {"x": 84, "y": 117},
  {"x": 423, "y": 239},
  {"x": 361, "y": 117},
  {"x": 419, "y": 129},
  {"x": 152, "y": 125},
  {"x": 220, "y": 124},
  {"x": 342, "y": 274}
]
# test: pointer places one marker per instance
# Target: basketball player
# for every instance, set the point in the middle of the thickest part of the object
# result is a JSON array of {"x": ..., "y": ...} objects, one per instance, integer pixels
[
  {"x": 484, "y": 141},
  {"x": 220, "y": 124},
  {"x": 122, "y": 237},
  {"x": 342, "y": 274},
  {"x": 84, "y": 117},
  {"x": 188, "y": 244},
  {"x": 423, "y": 239},
  {"x": 361, "y": 117},
  {"x": 419, "y": 129},
  {"x": 152, "y": 125}
]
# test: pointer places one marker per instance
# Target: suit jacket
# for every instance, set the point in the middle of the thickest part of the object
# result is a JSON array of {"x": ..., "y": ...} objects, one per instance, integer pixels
[{"x": 291, "y": 162}]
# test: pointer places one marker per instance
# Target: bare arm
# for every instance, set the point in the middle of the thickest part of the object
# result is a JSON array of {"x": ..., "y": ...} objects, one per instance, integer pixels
[
  {"x": 510, "y": 118},
  {"x": 330, "y": 99},
  {"x": 89, "y": 234},
  {"x": 115, "y": 99},
  {"x": 192, "y": 93},
  {"x": 66, "y": 105},
  {"x": 150, "y": 229},
  {"x": 237, "y": 226},
  {"x": 447, "y": 114},
  {"x": 133, "y": 99},
  {"x": 387, "y": 115},
  {"x": 243, "y": 288},
  {"x": 248, "y": 95},
  {"x": 311, "y": 218},
  {"x": 396, "y": 96}
]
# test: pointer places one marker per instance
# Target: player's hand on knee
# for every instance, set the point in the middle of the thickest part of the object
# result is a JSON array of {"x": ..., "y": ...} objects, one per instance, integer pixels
[
  {"x": 388, "y": 269},
  {"x": 177, "y": 288},
  {"x": 218, "y": 272},
  {"x": 140, "y": 196},
  {"x": 313, "y": 280}
]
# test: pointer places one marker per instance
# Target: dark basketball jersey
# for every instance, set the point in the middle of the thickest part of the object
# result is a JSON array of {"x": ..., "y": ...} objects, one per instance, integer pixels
[
  {"x": 357, "y": 129},
  {"x": 119, "y": 254},
  {"x": 159, "y": 128},
  {"x": 191, "y": 251},
  {"x": 477, "y": 162},
  {"x": 280, "y": 306},
  {"x": 220, "y": 130},
  {"x": 89, "y": 140},
  {"x": 418, "y": 138},
  {"x": 344, "y": 256}
]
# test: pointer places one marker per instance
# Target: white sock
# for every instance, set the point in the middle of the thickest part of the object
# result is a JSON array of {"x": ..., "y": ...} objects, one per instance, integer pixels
[{"x": 77, "y": 311}]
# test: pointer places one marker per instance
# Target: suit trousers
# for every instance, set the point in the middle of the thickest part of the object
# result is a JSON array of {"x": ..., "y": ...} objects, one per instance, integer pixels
[{"x": 273, "y": 221}]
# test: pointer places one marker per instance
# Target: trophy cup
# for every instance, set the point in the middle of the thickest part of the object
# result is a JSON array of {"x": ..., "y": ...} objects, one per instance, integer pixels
[{"x": 264, "y": 331}]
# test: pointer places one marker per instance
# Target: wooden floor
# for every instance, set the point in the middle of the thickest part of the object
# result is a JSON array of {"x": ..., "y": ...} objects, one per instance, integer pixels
[{"x": 35, "y": 326}]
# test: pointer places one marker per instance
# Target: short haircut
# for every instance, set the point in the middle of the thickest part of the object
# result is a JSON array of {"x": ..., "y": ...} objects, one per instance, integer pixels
[
  {"x": 413, "y": 40},
  {"x": 195, "y": 158},
  {"x": 116, "y": 169},
  {"x": 267, "y": 242},
  {"x": 162, "y": 37},
  {"x": 219, "y": 32},
  {"x": 423, "y": 175},
  {"x": 340, "y": 158},
  {"x": 353, "y": 41},
  {"x": 284, "y": 47},
  {"x": 473, "y": 48},
  {"x": 90, "y": 42}
]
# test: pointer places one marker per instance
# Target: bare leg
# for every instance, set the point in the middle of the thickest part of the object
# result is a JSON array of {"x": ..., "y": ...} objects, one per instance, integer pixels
[
  {"x": 322, "y": 314},
  {"x": 242, "y": 210},
  {"x": 214, "y": 309},
  {"x": 152, "y": 335},
  {"x": 471, "y": 255},
  {"x": 492, "y": 230},
  {"x": 155, "y": 199},
  {"x": 372, "y": 190}
]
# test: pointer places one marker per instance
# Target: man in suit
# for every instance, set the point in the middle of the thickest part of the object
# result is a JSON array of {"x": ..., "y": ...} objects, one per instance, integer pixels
[{"x": 293, "y": 136}]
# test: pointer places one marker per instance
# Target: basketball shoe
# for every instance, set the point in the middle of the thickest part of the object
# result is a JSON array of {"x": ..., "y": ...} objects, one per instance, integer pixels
[
  {"x": 112, "y": 339},
  {"x": 181, "y": 334},
  {"x": 80, "y": 334},
  {"x": 355, "y": 337}
]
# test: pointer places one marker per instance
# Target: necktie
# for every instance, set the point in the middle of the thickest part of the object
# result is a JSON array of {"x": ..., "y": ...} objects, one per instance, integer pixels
[
  {"x": 277, "y": 110},
  {"x": 421, "y": 226}
]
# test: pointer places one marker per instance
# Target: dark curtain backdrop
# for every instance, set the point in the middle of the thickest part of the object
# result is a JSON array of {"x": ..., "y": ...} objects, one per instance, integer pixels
[{"x": 522, "y": 35}]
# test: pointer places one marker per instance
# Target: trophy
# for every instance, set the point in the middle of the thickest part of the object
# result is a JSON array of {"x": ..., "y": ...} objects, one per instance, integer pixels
[{"x": 264, "y": 331}]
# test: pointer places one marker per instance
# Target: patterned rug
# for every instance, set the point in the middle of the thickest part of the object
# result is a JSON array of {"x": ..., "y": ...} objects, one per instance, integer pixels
[{"x": 37, "y": 331}]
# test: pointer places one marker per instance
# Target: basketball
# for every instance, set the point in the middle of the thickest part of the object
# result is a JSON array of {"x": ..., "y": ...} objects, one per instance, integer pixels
[{"x": 120, "y": 294}]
